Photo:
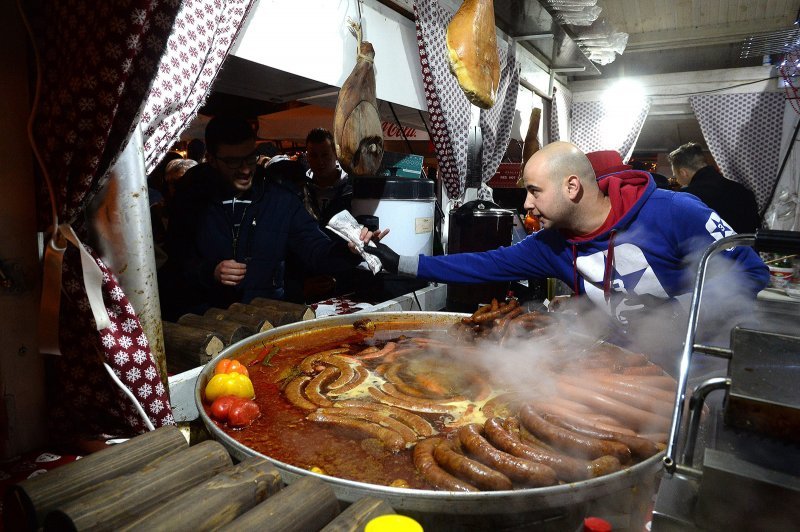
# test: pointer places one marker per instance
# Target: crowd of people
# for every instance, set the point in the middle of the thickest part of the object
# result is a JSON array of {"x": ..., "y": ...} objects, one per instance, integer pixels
[
  {"x": 242, "y": 223},
  {"x": 232, "y": 226}
]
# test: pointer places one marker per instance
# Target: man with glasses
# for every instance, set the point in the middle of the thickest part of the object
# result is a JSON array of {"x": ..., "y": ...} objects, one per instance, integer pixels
[{"x": 230, "y": 232}]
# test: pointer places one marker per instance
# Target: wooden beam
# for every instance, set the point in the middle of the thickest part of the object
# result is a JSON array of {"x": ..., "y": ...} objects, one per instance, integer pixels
[{"x": 22, "y": 374}]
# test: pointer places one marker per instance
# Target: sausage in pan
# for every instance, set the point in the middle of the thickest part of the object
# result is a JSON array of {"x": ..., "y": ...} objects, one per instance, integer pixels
[
  {"x": 566, "y": 467},
  {"x": 390, "y": 439},
  {"x": 430, "y": 470},
  {"x": 571, "y": 442},
  {"x": 517, "y": 469},
  {"x": 472, "y": 471}
]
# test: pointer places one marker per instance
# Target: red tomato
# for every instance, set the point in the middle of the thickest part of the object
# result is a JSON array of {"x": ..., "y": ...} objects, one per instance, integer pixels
[
  {"x": 221, "y": 407},
  {"x": 243, "y": 413}
]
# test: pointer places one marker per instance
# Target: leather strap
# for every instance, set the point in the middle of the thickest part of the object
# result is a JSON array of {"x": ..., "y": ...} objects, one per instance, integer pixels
[{"x": 51, "y": 288}]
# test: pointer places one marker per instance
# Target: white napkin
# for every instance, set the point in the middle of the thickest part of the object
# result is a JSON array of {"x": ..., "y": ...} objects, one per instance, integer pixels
[{"x": 344, "y": 225}]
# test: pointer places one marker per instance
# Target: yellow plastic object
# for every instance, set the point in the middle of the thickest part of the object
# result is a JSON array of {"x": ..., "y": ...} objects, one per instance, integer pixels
[
  {"x": 229, "y": 384},
  {"x": 392, "y": 523}
]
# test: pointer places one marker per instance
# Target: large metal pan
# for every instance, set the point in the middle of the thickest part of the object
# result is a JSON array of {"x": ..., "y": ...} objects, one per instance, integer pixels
[{"x": 632, "y": 487}]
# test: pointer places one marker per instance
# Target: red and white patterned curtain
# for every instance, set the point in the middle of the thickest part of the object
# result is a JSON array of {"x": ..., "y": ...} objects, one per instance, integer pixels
[
  {"x": 560, "y": 115},
  {"x": 97, "y": 62},
  {"x": 449, "y": 109},
  {"x": 608, "y": 126},
  {"x": 743, "y": 134},
  {"x": 495, "y": 123},
  {"x": 203, "y": 34}
]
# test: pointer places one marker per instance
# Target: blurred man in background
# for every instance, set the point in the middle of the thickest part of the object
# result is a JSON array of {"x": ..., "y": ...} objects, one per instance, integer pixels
[{"x": 734, "y": 202}]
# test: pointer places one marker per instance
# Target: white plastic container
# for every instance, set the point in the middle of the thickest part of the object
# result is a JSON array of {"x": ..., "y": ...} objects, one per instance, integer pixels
[{"x": 404, "y": 205}]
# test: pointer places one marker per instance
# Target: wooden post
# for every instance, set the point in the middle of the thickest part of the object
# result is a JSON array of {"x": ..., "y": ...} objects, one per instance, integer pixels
[
  {"x": 307, "y": 504},
  {"x": 189, "y": 347},
  {"x": 26, "y": 504},
  {"x": 23, "y": 402},
  {"x": 358, "y": 514},
  {"x": 121, "y": 500},
  {"x": 216, "y": 502},
  {"x": 257, "y": 323},
  {"x": 229, "y": 331}
]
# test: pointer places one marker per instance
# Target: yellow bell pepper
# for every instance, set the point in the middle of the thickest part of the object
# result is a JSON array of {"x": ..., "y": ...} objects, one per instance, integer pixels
[{"x": 229, "y": 384}]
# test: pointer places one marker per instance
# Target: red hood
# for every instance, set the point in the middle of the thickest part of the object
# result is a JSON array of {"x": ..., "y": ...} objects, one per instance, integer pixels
[{"x": 624, "y": 189}]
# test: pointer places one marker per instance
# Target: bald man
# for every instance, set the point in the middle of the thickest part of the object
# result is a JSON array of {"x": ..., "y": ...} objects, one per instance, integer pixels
[{"x": 618, "y": 240}]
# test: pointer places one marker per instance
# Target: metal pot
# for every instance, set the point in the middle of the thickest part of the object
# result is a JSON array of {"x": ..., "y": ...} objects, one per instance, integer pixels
[{"x": 551, "y": 508}]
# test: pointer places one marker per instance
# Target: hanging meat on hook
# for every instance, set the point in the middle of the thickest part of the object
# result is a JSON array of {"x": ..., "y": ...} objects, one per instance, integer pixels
[
  {"x": 531, "y": 145},
  {"x": 356, "y": 123},
  {"x": 472, "y": 50}
]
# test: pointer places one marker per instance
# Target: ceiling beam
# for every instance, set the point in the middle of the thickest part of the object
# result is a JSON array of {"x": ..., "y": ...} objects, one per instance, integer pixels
[{"x": 702, "y": 35}]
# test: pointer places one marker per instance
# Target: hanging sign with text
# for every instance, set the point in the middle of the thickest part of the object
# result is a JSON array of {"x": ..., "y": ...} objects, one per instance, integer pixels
[
  {"x": 391, "y": 131},
  {"x": 506, "y": 177}
]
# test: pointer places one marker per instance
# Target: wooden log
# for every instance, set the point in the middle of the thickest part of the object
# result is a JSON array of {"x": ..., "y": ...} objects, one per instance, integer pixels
[
  {"x": 277, "y": 318},
  {"x": 26, "y": 504},
  {"x": 288, "y": 311},
  {"x": 121, "y": 500},
  {"x": 307, "y": 504},
  {"x": 229, "y": 331},
  {"x": 189, "y": 347},
  {"x": 216, "y": 502},
  {"x": 257, "y": 323},
  {"x": 358, "y": 514}
]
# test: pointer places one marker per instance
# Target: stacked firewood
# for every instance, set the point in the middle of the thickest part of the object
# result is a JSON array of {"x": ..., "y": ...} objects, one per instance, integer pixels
[
  {"x": 156, "y": 481},
  {"x": 196, "y": 339}
]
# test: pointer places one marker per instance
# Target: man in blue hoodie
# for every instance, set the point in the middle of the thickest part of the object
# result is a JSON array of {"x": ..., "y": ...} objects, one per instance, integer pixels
[{"x": 618, "y": 240}]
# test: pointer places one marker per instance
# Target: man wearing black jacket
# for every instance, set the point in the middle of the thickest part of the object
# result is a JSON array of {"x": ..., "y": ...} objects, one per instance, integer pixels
[
  {"x": 735, "y": 203},
  {"x": 229, "y": 232}
]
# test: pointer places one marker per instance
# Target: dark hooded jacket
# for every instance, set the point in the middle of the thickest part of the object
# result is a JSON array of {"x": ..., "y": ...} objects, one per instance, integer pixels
[{"x": 208, "y": 225}]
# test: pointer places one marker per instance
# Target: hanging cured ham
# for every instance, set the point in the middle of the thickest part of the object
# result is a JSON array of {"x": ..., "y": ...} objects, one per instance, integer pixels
[
  {"x": 532, "y": 137},
  {"x": 356, "y": 123},
  {"x": 472, "y": 49}
]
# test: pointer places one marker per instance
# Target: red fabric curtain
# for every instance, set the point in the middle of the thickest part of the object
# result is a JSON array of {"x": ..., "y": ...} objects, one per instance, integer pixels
[{"x": 97, "y": 62}]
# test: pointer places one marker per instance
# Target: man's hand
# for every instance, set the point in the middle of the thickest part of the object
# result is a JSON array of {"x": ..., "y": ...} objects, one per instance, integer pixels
[
  {"x": 389, "y": 259},
  {"x": 367, "y": 236},
  {"x": 230, "y": 272}
]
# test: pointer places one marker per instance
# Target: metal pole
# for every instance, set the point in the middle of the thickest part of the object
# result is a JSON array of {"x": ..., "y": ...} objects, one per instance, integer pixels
[
  {"x": 688, "y": 344},
  {"x": 120, "y": 230}
]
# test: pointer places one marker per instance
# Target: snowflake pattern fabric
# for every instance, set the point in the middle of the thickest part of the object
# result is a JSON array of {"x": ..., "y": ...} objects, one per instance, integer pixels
[
  {"x": 203, "y": 34},
  {"x": 97, "y": 62},
  {"x": 730, "y": 122},
  {"x": 591, "y": 122},
  {"x": 555, "y": 130},
  {"x": 448, "y": 108},
  {"x": 560, "y": 115},
  {"x": 86, "y": 400},
  {"x": 496, "y": 122}
]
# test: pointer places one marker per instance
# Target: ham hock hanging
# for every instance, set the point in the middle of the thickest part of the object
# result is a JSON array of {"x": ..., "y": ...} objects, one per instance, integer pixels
[{"x": 356, "y": 123}]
